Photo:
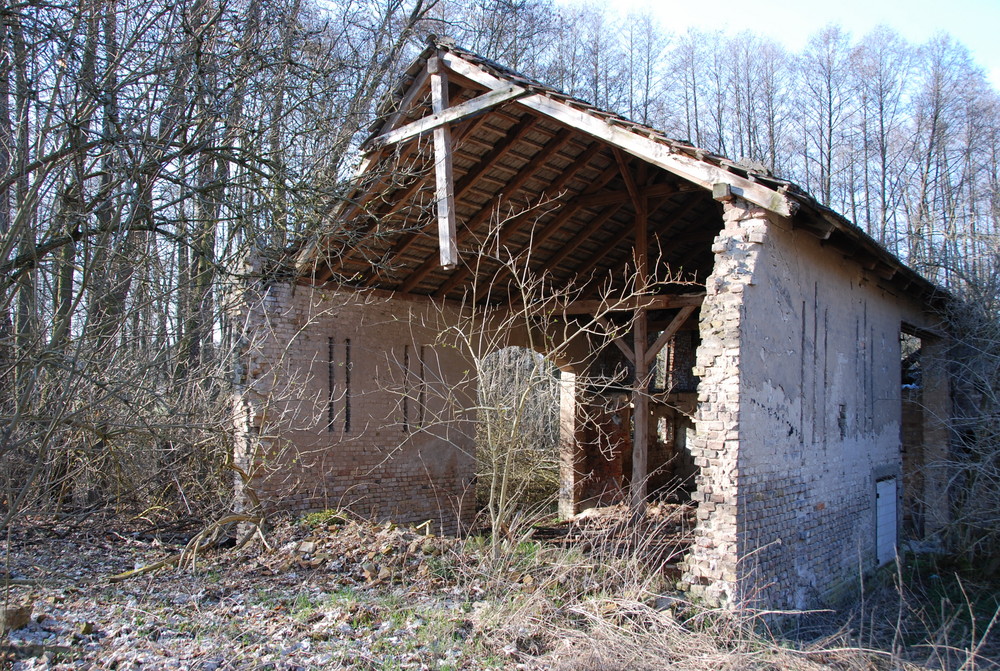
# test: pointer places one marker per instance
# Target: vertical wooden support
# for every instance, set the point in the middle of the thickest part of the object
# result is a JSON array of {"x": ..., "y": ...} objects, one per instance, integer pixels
[
  {"x": 640, "y": 395},
  {"x": 445, "y": 184}
]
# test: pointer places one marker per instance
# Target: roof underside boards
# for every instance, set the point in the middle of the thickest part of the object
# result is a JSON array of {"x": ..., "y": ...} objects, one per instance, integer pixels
[{"x": 545, "y": 189}]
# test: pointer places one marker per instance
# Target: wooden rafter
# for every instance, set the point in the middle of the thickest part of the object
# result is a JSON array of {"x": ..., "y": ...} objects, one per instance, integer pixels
[
  {"x": 602, "y": 253},
  {"x": 513, "y": 226},
  {"x": 564, "y": 214},
  {"x": 400, "y": 199},
  {"x": 573, "y": 243},
  {"x": 523, "y": 175},
  {"x": 620, "y": 197},
  {"x": 516, "y": 133}
]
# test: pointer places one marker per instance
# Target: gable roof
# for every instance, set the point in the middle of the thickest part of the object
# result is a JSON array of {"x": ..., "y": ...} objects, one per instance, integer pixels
[{"x": 553, "y": 174}]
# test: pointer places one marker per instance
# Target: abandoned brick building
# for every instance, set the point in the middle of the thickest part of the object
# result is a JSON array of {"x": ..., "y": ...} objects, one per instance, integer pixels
[{"x": 774, "y": 362}]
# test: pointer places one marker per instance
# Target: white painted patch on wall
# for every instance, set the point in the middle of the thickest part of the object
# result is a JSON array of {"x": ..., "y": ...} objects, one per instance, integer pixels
[{"x": 885, "y": 520}]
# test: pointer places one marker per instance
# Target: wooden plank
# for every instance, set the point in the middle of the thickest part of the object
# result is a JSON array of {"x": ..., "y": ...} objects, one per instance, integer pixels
[
  {"x": 444, "y": 181},
  {"x": 657, "y": 153},
  {"x": 668, "y": 333},
  {"x": 609, "y": 328},
  {"x": 464, "y": 110},
  {"x": 630, "y": 303}
]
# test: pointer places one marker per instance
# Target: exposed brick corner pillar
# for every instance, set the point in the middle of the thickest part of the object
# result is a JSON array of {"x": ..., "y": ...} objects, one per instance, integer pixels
[{"x": 712, "y": 567}]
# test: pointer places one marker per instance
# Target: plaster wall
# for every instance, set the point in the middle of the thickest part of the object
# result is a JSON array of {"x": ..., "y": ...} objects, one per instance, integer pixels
[
  {"x": 356, "y": 402},
  {"x": 799, "y": 415}
]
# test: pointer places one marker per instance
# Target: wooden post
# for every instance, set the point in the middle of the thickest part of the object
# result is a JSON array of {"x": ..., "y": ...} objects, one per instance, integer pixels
[
  {"x": 445, "y": 184},
  {"x": 640, "y": 395}
]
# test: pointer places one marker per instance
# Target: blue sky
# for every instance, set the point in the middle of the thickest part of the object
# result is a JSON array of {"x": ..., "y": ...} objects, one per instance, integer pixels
[{"x": 975, "y": 23}]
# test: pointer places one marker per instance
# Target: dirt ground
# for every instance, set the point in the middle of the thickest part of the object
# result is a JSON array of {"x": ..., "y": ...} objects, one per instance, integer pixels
[{"x": 324, "y": 592}]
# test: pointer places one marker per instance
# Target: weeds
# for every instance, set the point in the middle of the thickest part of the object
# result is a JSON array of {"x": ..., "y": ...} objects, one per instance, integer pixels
[{"x": 607, "y": 602}]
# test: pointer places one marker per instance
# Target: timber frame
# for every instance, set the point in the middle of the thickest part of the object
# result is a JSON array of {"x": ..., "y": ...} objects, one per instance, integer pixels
[{"x": 467, "y": 147}]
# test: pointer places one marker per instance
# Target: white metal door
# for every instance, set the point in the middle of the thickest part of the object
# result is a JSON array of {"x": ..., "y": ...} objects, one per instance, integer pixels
[{"x": 885, "y": 520}]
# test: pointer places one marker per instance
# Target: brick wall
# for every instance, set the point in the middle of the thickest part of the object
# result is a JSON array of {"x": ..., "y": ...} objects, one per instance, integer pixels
[
  {"x": 799, "y": 415},
  {"x": 712, "y": 564},
  {"x": 353, "y": 401}
]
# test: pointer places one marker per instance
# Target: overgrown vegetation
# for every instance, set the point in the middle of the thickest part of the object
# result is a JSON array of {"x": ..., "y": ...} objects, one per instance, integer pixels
[
  {"x": 314, "y": 600},
  {"x": 975, "y": 458},
  {"x": 518, "y": 428}
]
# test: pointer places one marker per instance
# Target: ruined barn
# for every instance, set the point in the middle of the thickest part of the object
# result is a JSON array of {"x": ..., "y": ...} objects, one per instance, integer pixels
[{"x": 764, "y": 375}]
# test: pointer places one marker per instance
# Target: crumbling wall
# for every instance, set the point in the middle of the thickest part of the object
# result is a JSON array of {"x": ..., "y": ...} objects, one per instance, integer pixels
[
  {"x": 352, "y": 401},
  {"x": 711, "y": 567},
  {"x": 799, "y": 415}
]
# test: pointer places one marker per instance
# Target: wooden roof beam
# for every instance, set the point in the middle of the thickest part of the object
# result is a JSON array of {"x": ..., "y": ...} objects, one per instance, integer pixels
[
  {"x": 526, "y": 173},
  {"x": 514, "y": 225},
  {"x": 606, "y": 305},
  {"x": 657, "y": 153},
  {"x": 464, "y": 110}
]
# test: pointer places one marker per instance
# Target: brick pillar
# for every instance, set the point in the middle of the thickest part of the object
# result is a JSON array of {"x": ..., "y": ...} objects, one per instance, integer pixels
[
  {"x": 936, "y": 400},
  {"x": 712, "y": 568}
]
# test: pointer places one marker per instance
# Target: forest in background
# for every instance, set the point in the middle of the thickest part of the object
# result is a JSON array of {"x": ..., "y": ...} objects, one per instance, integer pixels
[{"x": 147, "y": 148}]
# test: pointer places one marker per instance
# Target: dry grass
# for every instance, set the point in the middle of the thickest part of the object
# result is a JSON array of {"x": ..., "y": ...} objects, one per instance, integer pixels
[{"x": 609, "y": 603}]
